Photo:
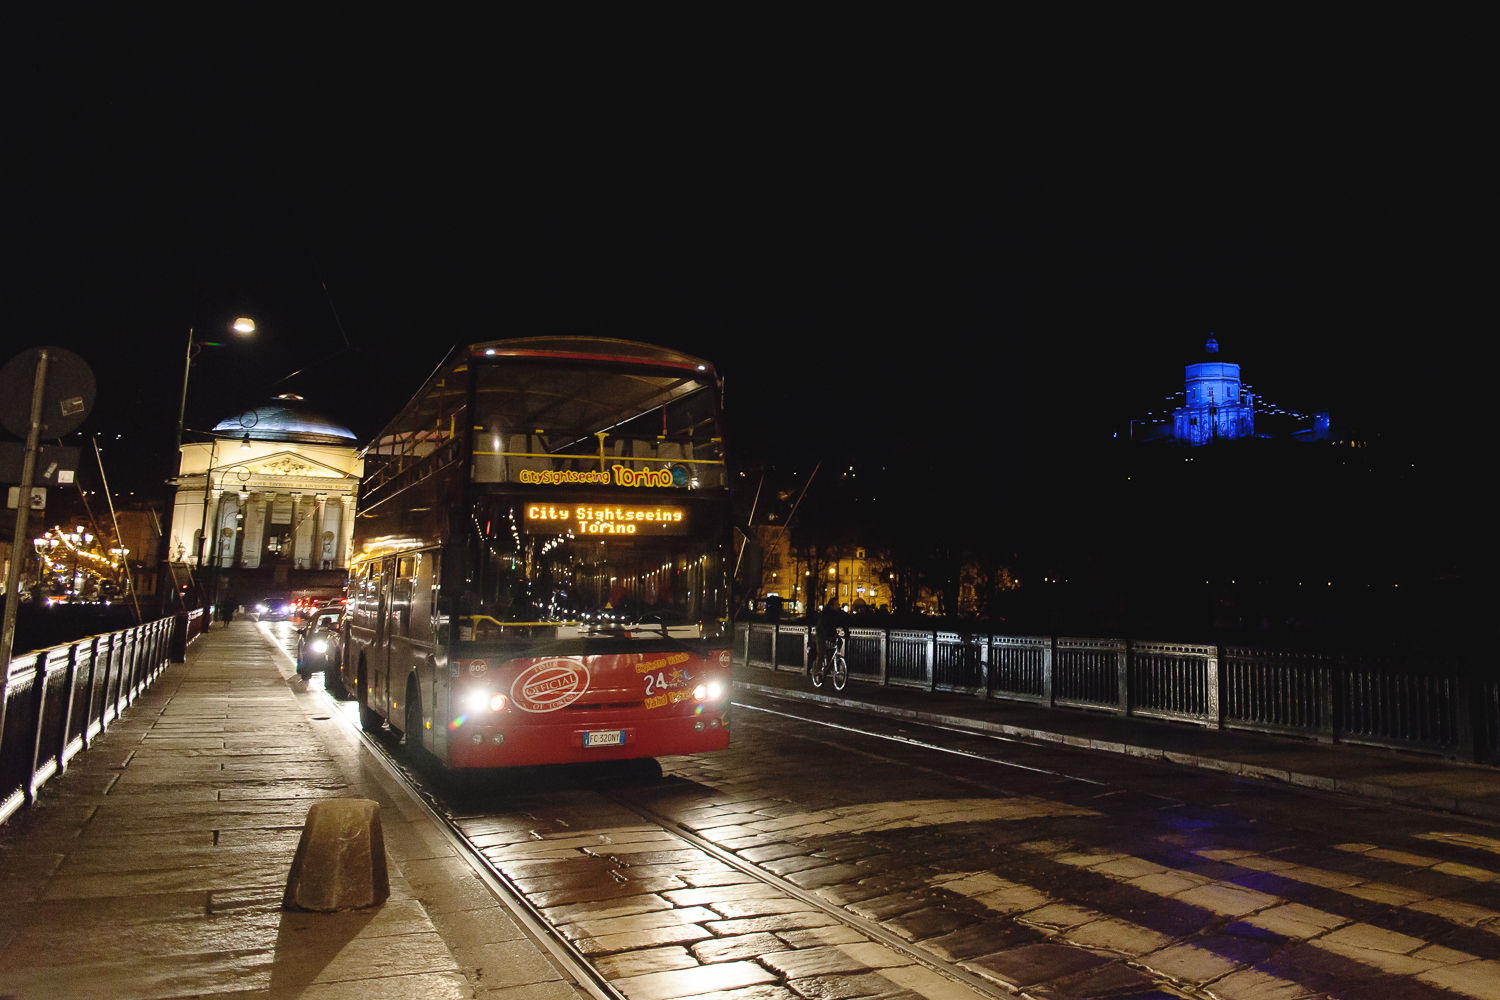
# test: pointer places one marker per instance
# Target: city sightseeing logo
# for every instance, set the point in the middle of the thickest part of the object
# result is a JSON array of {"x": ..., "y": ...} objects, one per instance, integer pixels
[{"x": 674, "y": 476}]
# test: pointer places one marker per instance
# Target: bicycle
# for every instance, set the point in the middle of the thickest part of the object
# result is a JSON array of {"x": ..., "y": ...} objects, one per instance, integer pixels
[{"x": 831, "y": 666}]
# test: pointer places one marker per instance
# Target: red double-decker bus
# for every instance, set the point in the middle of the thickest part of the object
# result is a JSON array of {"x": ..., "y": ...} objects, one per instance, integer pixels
[{"x": 541, "y": 568}]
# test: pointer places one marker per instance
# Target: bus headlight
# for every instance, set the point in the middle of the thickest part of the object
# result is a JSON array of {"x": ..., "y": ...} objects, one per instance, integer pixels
[
  {"x": 700, "y": 692},
  {"x": 715, "y": 690},
  {"x": 481, "y": 699}
]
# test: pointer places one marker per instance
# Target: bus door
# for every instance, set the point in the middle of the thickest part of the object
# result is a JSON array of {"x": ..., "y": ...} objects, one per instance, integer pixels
[
  {"x": 428, "y": 656},
  {"x": 380, "y": 659},
  {"x": 405, "y": 634}
]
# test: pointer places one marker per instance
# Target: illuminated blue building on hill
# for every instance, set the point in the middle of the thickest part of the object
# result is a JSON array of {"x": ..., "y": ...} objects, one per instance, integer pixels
[{"x": 1218, "y": 407}]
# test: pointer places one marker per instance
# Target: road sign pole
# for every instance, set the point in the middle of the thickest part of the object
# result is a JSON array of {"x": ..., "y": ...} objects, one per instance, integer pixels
[{"x": 17, "y": 548}]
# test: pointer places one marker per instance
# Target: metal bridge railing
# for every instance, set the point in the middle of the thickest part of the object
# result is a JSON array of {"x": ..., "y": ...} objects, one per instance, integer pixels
[
  {"x": 57, "y": 701},
  {"x": 1445, "y": 708}
]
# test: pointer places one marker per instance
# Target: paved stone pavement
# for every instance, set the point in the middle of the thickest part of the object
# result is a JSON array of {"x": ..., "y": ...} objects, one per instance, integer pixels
[{"x": 155, "y": 866}]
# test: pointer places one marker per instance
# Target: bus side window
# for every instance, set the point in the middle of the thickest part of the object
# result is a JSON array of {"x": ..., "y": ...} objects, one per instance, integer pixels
[
  {"x": 384, "y": 591},
  {"x": 372, "y": 594},
  {"x": 359, "y": 593},
  {"x": 401, "y": 596},
  {"x": 421, "y": 601}
]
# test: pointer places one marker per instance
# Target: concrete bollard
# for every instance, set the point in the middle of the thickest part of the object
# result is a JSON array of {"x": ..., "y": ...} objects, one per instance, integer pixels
[{"x": 340, "y": 862}]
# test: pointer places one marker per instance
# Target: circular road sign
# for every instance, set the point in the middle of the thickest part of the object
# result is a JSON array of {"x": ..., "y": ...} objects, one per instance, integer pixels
[{"x": 67, "y": 397}]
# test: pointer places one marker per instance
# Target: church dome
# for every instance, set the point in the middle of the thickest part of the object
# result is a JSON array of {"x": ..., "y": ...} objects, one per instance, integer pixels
[{"x": 285, "y": 419}]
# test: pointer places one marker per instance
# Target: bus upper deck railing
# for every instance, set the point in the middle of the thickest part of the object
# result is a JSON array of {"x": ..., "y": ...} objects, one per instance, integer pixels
[
  {"x": 57, "y": 701},
  {"x": 1437, "y": 707}
]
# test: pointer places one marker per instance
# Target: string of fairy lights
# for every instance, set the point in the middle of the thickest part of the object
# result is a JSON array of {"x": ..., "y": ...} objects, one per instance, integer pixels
[{"x": 76, "y": 557}]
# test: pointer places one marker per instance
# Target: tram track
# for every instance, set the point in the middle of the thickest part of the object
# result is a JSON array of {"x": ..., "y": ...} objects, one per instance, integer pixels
[
  {"x": 868, "y": 928},
  {"x": 731, "y": 851},
  {"x": 564, "y": 954},
  {"x": 563, "y": 949}
]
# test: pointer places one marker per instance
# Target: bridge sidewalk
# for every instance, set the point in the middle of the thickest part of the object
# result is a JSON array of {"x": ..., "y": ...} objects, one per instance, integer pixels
[
  {"x": 1389, "y": 775},
  {"x": 155, "y": 866}
]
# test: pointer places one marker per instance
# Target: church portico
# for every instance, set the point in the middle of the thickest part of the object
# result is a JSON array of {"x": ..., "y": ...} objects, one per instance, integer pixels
[{"x": 268, "y": 503}]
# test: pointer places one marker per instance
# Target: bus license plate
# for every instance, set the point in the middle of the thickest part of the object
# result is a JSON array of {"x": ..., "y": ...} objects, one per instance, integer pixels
[{"x": 609, "y": 738}]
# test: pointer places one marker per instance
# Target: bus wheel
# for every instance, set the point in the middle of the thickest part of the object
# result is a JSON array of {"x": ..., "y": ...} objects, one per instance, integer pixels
[
  {"x": 369, "y": 719},
  {"x": 412, "y": 745}
]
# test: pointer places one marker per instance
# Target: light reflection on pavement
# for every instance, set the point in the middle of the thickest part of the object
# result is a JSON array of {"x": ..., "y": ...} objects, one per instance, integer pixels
[
  {"x": 284, "y": 634},
  {"x": 1003, "y": 861}
]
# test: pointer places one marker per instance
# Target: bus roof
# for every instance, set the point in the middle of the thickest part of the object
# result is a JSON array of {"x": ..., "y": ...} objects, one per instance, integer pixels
[
  {"x": 589, "y": 349},
  {"x": 605, "y": 349}
]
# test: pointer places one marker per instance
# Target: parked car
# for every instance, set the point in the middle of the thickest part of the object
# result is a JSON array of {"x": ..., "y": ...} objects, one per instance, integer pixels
[
  {"x": 276, "y": 608},
  {"x": 318, "y": 646}
]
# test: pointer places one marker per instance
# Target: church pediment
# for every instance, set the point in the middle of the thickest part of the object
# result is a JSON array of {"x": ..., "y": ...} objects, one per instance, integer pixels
[{"x": 283, "y": 464}]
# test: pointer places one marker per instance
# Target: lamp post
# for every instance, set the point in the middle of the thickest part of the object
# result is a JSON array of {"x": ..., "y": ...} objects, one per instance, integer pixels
[{"x": 244, "y": 326}]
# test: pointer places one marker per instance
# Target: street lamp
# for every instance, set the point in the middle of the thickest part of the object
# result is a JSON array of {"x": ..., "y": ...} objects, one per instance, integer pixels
[{"x": 244, "y": 326}]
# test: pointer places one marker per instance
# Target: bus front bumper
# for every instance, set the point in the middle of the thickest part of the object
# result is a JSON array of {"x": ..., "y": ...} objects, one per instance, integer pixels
[{"x": 529, "y": 743}]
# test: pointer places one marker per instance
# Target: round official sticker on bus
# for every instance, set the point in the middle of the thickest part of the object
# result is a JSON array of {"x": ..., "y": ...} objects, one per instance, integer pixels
[
  {"x": 724, "y": 658},
  {"x": 549, "y": 685}
]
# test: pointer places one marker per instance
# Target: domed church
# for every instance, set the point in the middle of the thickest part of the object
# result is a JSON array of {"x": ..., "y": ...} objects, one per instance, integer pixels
[
  {"x": 1218, "y": 407},
  {"x": 269, "y": 500}
]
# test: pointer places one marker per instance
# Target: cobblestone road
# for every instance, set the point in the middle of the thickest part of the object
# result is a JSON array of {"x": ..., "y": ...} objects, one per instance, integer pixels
[{"x": 830, "y": 855}]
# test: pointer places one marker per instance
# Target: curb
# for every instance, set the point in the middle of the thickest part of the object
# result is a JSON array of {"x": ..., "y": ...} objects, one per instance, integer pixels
[{"x": 1318, "y": 782}]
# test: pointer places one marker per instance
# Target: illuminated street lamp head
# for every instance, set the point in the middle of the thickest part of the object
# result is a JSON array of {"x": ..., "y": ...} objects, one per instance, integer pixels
[
  {"x": 243, "y": 325},
  {"x": 245, "y": 442}
]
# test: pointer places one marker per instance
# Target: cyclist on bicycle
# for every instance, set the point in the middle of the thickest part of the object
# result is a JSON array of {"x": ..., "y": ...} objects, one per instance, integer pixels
[{"x": 830, "y": 617}]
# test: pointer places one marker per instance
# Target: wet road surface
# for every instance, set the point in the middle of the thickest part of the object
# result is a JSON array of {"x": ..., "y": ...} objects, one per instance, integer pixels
[{"x": 829, "y": 854}]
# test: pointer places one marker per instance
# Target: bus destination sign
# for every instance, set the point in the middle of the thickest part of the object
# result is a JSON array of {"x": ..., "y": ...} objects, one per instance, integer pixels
[{"x": 603, "y": 519}]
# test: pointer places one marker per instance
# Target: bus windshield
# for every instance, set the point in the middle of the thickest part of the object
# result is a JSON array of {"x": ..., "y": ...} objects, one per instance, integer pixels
[
  {"x": 529, "y": 563},
  {"x": 537, "y": 421}
]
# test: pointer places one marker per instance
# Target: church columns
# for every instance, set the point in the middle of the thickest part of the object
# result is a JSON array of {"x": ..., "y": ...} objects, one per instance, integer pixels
[
  {"x": 323, "y": 547},
  {"x": 213, "y": 501},
  {"x": 344, "y": 531},
  {"x": 256, "y": 514},
  {"x": 300, "y": 532}
]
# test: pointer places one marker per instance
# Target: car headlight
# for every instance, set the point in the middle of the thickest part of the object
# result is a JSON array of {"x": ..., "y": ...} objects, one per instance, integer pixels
[{"x": 319, "y": 646}]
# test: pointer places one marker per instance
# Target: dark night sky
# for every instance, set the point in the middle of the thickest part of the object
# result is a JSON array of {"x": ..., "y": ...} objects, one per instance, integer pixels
[{"x": 1015, "y": 242}]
